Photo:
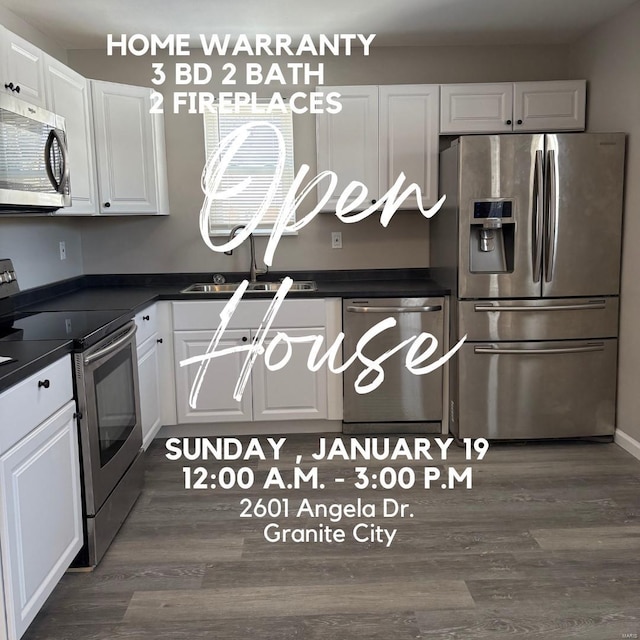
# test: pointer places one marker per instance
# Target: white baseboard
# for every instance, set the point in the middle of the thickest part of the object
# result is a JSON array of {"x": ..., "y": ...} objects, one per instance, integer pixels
[
  {"x": 267, "y": 428},
  {"x": 627, "y": 443}
]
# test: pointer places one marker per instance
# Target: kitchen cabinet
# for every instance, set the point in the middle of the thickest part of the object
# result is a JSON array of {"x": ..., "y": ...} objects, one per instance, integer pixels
[
  {"x": 40, "y": 499},
  {"x": 68, "y": 96},
  {"x": 215, "y": 401},
  {"x": 557, "y": 105},
  {"x": 347, "y": 142},
  {"x": 155, "y": 374},
  {"x": 379, "y": 133},
  {"x": 22, "y": 68},
  {"x": 291, "y": 393},
  {"x": 130, "y": 150}
]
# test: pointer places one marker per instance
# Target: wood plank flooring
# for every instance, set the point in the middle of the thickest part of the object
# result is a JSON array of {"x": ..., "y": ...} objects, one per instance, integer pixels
[{"x": 545, "y": 546}]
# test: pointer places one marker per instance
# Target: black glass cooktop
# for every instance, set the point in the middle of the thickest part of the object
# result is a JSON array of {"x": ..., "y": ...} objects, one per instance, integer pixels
[{"x": 85, "y": 328}]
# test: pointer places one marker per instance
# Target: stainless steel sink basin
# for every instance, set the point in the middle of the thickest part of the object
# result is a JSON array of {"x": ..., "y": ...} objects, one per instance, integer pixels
[{"x": 254, "y": 287}]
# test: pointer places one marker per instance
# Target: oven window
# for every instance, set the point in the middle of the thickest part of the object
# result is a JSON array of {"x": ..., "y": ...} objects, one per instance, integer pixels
[{"x": 115, "y": 402}]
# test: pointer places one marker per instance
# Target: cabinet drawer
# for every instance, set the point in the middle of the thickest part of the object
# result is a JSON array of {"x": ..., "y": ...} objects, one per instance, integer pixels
[
  {"x": 147, "y": 323},
  {"x": 204, "y": 315},
  {"x": 30, "y": 402}
]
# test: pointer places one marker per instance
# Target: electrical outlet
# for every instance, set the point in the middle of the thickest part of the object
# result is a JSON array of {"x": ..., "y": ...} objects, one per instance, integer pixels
[
  {"x": 63, "y": 251},
  {"x": 336, "y": 240}
]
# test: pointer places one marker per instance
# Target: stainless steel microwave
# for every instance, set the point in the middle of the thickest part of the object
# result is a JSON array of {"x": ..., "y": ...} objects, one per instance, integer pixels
[{"x": 34, "y": 163}]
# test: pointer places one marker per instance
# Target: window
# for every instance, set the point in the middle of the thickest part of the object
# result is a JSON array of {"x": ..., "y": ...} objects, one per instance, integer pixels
[{"x": 256, "y": 159}]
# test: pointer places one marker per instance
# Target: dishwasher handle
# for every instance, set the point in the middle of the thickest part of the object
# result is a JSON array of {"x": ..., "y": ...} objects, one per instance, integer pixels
[{"x": 374, "y": 309}]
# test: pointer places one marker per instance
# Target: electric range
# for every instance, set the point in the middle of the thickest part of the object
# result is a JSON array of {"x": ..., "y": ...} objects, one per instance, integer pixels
[{"x": 85, "y": 328}]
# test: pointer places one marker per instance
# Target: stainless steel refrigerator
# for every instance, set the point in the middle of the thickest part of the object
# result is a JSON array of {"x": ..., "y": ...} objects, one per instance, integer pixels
[{"x": 529, "y": 241}]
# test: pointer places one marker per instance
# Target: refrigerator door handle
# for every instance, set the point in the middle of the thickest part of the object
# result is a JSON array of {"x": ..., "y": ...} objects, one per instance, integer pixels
[
  {"x": 551, "y": 230},
  {"x": 591, "y": 305},
  {"x": 595, "y": 346},
  {"x": 538, "y": 217}
]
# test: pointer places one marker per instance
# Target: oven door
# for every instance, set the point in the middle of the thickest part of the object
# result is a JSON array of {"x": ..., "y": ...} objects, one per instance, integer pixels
[{"x": 109, "y": 404}]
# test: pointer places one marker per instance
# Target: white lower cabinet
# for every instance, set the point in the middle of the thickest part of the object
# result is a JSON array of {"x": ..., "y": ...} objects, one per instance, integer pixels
[
  {"x": 292, "y": 392},
  {"x": 155, "y": 369},
  {"x": 40, "y": 498},
  {"x": 214, "y": 401}
]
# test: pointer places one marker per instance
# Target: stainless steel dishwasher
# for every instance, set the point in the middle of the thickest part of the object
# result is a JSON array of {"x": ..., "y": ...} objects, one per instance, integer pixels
[{"x": 404, "y": 402}]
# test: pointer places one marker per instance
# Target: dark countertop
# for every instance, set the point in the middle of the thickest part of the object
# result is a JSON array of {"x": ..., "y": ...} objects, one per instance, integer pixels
[
  {"x": 132, "y": 293},
  {"x": 30, "y": 356}
]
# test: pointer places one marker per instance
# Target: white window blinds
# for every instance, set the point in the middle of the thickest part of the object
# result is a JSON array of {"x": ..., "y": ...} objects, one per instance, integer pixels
[{"x": 256, "y": 159}]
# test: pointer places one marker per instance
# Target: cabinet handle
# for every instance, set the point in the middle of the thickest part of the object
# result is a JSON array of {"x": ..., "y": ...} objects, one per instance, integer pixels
[
  {"x": 8, "y": 86},
  {"x": 244, "y": 338},
  {"x": 146, "y": 317},
  {"x": 374, "y": 201},
  {"x": 519, "y": 122},
  {"x": 159, "y": 340},
  {"x": 44, "y": 383},
  {"x": 78, "y": 415},
  {"x": 508, "y": 121},
  {"x": 17, "y": 89},
  {"x": 107, "y": 205}
]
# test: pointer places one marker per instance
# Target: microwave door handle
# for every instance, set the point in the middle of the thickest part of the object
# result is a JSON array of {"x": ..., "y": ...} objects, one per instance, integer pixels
[
  {"x": 58, "y": 186},
  {"x": 538, "y": 216},
  {"x": 64, "y": 155},
  {"x": 551, "y": 231}
]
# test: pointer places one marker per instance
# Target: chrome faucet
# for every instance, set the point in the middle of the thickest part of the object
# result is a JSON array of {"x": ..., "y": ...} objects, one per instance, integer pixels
[{"x": 253, "y": 270}]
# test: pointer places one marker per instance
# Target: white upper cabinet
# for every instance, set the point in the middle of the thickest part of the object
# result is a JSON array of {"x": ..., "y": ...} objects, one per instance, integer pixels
[
  {"x": 379, "y": 133},
  {"x": 557, "y": 105},
  {"x": 68, "y": 96},
  {"x": 476, "y": 108},
  {"x": 22, "y": 68},
  {"x": 550, "y": 106},
  {"x": 408, "y": 139},
  {"x": 129, "y": 150},
  {"x": 347, "y": 143}
]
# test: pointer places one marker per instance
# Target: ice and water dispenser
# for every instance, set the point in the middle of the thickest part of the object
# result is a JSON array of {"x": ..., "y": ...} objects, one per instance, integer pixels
[{"x": 491, "y": 236}]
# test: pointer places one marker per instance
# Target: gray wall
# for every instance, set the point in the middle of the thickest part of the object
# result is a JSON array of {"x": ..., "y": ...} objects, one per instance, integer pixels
[
  {"x": 610, "y": 58},
  {"x": 33, "y": 243},
  {"x": 174, "y": 244}
]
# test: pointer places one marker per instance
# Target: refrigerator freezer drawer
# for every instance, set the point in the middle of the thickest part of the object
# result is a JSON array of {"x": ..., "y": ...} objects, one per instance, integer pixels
[
  {"x": 541, "y": 319},
  {"x": 527, "y": 390}
]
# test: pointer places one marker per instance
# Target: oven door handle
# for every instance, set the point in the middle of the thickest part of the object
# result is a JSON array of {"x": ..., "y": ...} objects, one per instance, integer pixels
[{"x": 112, "y": 346}]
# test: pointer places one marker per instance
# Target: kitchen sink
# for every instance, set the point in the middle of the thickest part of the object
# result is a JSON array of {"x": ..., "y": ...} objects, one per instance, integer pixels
[{"x": 254, "y": 287}]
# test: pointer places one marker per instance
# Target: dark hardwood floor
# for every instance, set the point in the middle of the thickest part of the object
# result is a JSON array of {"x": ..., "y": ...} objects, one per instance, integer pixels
[{"x": 545, "y": 546}]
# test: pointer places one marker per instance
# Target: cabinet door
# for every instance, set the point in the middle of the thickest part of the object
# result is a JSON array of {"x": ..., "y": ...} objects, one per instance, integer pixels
[
  {"x": 3, "y": 618},
  {"x": 215, "y": 401},
  {"x": 40, "y": 515},
  {"x": 347, "y": 143},
  {"x": 409, "y": 122},
  {"x": 293, "y": 392},
  {"x": 125, "y": 151},
  {"x": 68, "y": 96},
  {"x": 550, "y": 106},
  {"x": 149, "y": 382},
  {"x": 22, "y": 69},
  {"x": 476, "y": 108}
]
